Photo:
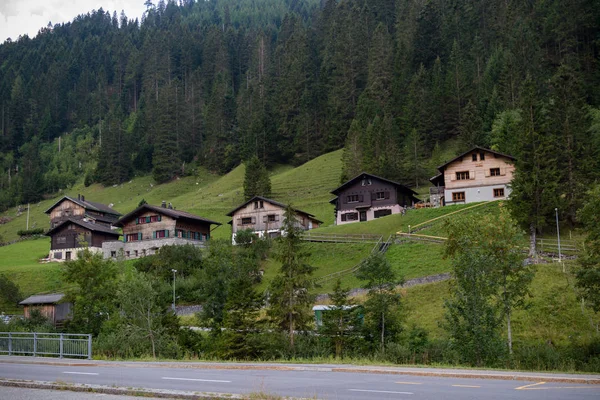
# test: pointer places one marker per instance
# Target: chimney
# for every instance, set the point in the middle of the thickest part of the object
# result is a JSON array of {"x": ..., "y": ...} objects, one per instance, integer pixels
[
  {"x": 78, "y": 196},
  {"x": 82, "y": 198},
  {"x": 164, "y": 204},
  {"x": 170, "y": 206}
]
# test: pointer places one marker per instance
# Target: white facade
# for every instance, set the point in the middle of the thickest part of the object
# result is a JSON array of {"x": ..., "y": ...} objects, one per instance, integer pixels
[
  {"x": 62, "y": 255},
  {"x": 477, "y": 194}
]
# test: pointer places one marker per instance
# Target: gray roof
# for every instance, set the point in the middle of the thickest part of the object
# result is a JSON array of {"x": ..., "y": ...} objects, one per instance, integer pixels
[
  {"x": 274, "y": 202},
  {"x": 176, "y": 214},
  {"x": 88, "y": 205},
  {"x": 43, "y": 299},
  {"x": 87, "y": 225}
]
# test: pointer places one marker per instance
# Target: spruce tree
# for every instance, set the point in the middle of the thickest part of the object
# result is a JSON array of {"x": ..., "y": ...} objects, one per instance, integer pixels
[
  {"x": 256, "y": 179},
  {"x": 290, "y": 300}
]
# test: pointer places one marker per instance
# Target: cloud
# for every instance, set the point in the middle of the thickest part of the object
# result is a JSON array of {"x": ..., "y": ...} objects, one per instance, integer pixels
[
  {"x": 8, "y": 8},
  {"x": 40, "y": 10}
]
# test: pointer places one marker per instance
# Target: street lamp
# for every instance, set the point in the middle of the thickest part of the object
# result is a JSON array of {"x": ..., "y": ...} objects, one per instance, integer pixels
[
  {"x": 557, "y": 233},
  {"x": 174, "y": 271}
]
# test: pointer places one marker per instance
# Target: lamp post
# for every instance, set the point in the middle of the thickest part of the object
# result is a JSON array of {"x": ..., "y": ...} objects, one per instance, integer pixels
[
  {"x": 557, "y": 233},
  {"x": 174, "y": 271}
]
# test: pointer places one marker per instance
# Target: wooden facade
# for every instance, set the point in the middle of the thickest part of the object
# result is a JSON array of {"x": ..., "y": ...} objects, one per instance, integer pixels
[
  {"x": 368, "y": 197},
  {"x": 478, "y": 175},
  {"x": 72, "y": 235},
  {"x": 265, "y": 217},
  {"x": 148, "y": 228},
  {"x": 80, "y": 208},
  {"x": 49, "y": 305}
]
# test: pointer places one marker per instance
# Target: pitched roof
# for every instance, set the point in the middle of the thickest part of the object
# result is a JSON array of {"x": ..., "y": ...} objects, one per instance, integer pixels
[
  {"x": 43, "y": 299},
  {"x": 175, "y": 214},
  {"x": 84, "y": 224},
  {"x": 88, "y": 205},
  {"x": 441, "y": 167},
  {"x": 365, "y": 174},
  {"x": 274, "y": 202}
]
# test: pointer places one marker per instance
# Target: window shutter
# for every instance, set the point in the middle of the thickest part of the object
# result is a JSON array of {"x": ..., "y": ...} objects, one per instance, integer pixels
[
  {"x": 154, "y": 235},
  {"x": 264, "y": 218},
  {"x": 159, "y": 217},
  {"x": 166, "y": 233},
  {"x": 124, "y": 238},
  {"x": 387, "y": 194},
  {"x": 207, "y": 236},
  {"x": 361, "y": 198},
  {"x": 139, "y": 235},
  {"x": 471, "y": 174},
  {"x": 373, "y": 196},
  {"x": 148, "y": 219},
  {"x": 253, "y": 220},
  {"x": 488, "y": 172},
  {"x": 137, "y": 221}
]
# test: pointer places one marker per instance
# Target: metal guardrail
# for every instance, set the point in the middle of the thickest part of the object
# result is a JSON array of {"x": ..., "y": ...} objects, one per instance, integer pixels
[{"x": 46, "y": 344}]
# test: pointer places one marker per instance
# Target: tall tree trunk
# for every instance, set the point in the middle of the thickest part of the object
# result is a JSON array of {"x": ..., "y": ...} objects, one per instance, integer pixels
[
  {"x": 509, "y": 328},
  {"x": 382, "y": 332},
  {"x": 532, "y": 240}
]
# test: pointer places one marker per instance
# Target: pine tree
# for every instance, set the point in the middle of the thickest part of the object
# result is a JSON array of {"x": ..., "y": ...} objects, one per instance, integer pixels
[
  {"x": 256, "y": 179},
  {"x": 290, "y": 300},
  {"x": 166, "y": 156},
  {"x": 340, "y": 321}
]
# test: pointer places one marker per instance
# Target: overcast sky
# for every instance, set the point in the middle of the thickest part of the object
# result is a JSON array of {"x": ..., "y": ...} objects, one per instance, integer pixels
[{"x": 19, "y": 17}]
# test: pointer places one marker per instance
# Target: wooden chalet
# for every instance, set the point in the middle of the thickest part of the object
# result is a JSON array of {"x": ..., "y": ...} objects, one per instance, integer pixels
[
  {"x": 264, "y": 217},
  {"x": 367, "y": 197},
  {"x": 73, "y": 235},
  {"x": 147, "y": 228},
  {"x": 479, "y": 174},
  {"x": 80, "y": 208}
]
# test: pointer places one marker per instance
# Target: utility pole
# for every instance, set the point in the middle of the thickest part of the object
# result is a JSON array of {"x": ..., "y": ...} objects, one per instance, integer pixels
[
  {"x": 174, "y": 271},
  {"x": 557, "y": 233}
]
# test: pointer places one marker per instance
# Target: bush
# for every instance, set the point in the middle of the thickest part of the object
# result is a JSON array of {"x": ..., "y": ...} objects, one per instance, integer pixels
[{"x": 30, "y": 232}]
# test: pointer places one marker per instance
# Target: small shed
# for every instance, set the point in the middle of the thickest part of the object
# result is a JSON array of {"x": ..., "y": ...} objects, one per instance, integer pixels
[{"x": 49, "y": 305}]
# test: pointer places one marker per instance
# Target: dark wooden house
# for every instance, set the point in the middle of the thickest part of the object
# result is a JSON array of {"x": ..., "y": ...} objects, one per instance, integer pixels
[
  {"x": 147, "y": 228},
  {"x": 367, "y": 197},
  {"x": 72, "y": 235},
  {"x": 49, "y": 305},
  {"x": 80, "y": 208}
]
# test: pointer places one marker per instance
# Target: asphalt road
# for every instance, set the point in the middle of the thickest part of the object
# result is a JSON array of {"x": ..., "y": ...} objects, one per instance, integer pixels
[
  {"x": 301, "y": 384},
  {"x": 17, "y": 393}
]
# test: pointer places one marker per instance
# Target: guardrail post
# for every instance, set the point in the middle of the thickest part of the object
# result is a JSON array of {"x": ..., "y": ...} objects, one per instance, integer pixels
[
  {"x": 34, "y": 343},
  {"x": 89, "y": 347},
  {"x": 61, "y": 346},
  {"x": 9, "y": 344}
]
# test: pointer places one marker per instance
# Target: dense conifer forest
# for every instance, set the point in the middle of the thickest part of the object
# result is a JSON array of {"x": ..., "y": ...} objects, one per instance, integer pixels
[{"x": 213, "y": 83}]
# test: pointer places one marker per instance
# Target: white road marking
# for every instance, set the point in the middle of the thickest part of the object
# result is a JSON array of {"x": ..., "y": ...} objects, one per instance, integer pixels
[
  {"x": 194, "y": 379},
  {"x": 378, "y": 391},
  {"x": 466, "y": 386},
  {"x": 409, "y": 383},
  {"x": 81, "y": 373}
]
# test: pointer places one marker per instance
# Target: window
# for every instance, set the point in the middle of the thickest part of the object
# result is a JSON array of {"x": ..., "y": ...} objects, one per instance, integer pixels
[
  {"x": 379, "y": 195},
  {"x": 352, "y": 216},
  {"x": 113, "y": 254},
  {"x": 458, "y": 196},
  {"x": 148, "y": 219},
  {"x": 272, "y": 218},
  {"x": 68, "y": 255},
  {"x": 474, "y": 156},
  {"x": 353, "y": 198},
  {"x": 58, "y": 255},
  {"x": 61, "y": 240},
  {"x": 247, "y": 221},
  {"x": 133, "y": 237},
  {"x": 382, "y": 213},
  {"x": 161, "y": 234},
  {"x": 259, "y": 204},
  {"x": 494, "y": 171},
  {"x": 463, "y": 175},
  {"x": 482, "y": 156},
  {"x": 499, "y": 192},
  {"x": 136, "y": 253}
]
